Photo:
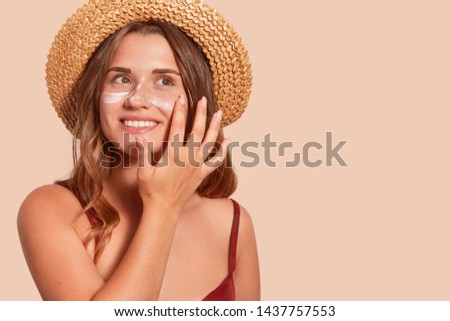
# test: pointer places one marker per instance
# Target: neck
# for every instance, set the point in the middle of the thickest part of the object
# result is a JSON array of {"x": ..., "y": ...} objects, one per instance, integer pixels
[{"x": 121, "y": 189}]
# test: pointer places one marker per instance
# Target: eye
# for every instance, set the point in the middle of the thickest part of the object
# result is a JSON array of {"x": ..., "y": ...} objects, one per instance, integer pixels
[
  {"x": 122, "y": 80},
  {"x": 165, "y": 81}
]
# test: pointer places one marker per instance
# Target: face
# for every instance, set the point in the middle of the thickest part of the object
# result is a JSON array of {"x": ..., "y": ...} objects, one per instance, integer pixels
[{"x": 140, "y": 89}]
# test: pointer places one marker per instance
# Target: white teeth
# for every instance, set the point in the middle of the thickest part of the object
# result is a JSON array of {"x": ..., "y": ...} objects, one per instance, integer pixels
[{"x": 139, "y": 124}]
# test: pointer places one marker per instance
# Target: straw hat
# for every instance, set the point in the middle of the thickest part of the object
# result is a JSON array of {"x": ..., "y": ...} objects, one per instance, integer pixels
[{"x": 96, "y": 20}]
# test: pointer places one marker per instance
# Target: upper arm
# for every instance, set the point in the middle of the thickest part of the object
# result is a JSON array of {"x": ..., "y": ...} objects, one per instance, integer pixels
[
  {"x": 58, "y": 261},
  {"x": 247, "y": 278}
]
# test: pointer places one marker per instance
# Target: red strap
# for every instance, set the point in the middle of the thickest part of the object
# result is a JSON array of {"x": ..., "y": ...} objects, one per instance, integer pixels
[{"x": 234, "y": 237}]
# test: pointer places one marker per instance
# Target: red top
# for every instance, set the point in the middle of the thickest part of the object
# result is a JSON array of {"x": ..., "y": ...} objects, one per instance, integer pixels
[{"x": 225, "y": 290}]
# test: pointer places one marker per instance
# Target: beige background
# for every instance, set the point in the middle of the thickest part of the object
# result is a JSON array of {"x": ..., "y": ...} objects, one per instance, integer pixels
[{"x": 375, "y": 73}]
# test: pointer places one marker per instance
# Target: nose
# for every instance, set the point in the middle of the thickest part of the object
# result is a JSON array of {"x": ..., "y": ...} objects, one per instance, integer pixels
[{"x": 139, "y": 98}]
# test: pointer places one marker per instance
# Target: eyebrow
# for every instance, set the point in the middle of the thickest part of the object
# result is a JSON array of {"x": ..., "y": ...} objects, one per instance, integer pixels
[
  {"x": 165, "y": 71},
  {"x": 119, "y": 69},
  {"x": 156, "y": 71}
]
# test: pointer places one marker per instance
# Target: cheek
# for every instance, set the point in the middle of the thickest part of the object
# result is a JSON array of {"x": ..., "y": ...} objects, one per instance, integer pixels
[
  {"x": 111, "y": 104},
  {"x": 166, "y": 101},
  {"x": 108, "y": 114},
  {"x": 166, "y": 105}
]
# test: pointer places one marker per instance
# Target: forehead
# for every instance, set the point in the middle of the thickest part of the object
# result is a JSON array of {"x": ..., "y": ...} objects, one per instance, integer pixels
[{"x": 143, "y": 50}]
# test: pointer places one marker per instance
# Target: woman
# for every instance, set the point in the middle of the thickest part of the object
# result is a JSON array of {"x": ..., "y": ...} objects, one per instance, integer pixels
[{"x": 145, "y": 214}]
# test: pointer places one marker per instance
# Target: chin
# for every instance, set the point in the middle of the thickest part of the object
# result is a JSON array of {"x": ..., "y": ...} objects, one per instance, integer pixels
[{"x": 126, "y": 142}]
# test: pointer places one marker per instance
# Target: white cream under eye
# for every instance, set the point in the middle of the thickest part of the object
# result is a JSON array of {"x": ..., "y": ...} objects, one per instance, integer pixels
[
  {"x": 113, "y": 98},
  {"x": 162, "y": 104}
]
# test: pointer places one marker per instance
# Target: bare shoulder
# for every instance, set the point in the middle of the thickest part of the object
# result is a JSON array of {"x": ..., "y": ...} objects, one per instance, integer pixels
[
  {"x": 246, "y": 236},
  {"x": 246, "y": 275},
  {"x": 48, "y": 226},
  {"x": 245, "y": 222},
  {"x": 48, "y": 203},
  {"x": 219, "y": 213},
  {"x": 219, "y": 210}
]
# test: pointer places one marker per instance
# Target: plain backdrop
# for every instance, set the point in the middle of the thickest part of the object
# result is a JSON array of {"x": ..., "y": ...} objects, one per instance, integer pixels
[{"x": 374, "y": 73}]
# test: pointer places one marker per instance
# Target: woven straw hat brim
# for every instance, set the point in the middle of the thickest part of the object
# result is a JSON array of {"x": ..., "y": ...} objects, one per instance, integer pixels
[{"x": 95, "y": 21}]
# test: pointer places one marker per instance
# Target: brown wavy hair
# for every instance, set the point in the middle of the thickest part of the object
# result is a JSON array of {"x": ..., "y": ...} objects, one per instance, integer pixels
[{"x": 88, "y": 175}]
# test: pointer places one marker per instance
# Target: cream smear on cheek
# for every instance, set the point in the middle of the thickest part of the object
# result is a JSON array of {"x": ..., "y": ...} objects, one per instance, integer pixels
[{"x": 114, "y": 98}]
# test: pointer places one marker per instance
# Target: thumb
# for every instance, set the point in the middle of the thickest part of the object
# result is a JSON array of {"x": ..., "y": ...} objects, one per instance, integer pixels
[{"x": 142, "y": 145}]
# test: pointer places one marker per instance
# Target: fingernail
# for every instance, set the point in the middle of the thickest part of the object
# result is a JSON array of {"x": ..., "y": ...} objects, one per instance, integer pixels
[
  {"x": 219, "y": 116},
  {"x": 204, "y": 102},
  {"x": 182, "y": 100}
]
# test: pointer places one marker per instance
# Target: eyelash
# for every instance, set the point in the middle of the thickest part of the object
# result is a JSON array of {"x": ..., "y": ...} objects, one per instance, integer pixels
[
  {"x": 171, "y": 81},
  {"x": 116, "y": 78}
]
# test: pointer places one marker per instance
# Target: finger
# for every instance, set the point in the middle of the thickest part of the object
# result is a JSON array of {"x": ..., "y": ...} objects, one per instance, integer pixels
[
  {"x": 199, "y": 127},
  {"x": 212, "y": 133},
  {"x": 214, "y": 162},
  {"x": 178, "y": 124},
  {"x": 143, "y": 157}
]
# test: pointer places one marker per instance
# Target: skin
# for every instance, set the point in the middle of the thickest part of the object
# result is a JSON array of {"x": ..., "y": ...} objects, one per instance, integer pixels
[{"x": 170, "y": 244}]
